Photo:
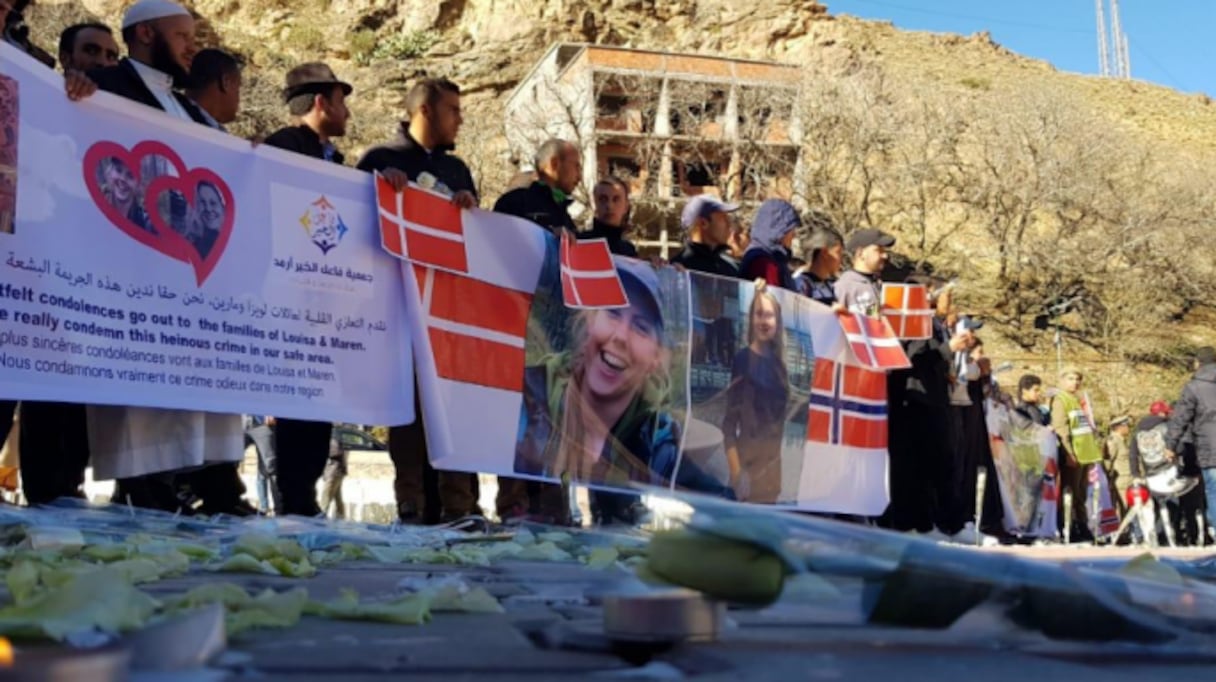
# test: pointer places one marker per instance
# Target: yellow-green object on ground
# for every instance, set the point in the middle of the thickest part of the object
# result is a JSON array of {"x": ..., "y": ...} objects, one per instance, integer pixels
[{"x": 724, "y": 569}]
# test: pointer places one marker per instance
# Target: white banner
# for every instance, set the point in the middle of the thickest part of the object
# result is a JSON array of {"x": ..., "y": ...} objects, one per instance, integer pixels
[
  {"x": 697, "y": 383},
  {"x": 149, "y": 261}
]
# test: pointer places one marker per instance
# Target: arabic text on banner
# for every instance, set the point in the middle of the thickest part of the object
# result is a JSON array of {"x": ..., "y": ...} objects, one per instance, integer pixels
[{"x": 154, "y": 262}]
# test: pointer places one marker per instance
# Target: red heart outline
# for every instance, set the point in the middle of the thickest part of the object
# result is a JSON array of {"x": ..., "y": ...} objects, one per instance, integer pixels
[
  {"x": 165, "y": 240},
  {"x": 187, "y": 184}
]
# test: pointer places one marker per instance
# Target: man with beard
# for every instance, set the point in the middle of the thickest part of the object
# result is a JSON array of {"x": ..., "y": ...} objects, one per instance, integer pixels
[
  {"x": 422, "y": 151},
  {"x": 88, "y": 46},
  {"x": 154, "y": 452},
  {"x": 317, "y": 99},
  {"x": 159, "y": 35}
]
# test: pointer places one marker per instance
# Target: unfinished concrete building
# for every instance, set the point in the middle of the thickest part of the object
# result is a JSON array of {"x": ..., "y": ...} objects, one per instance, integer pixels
[{"x": 672, "y": 125}]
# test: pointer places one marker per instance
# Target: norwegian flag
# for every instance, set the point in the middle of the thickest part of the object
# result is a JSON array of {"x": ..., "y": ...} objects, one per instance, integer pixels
[
  {"x": 873, "y": 343},
  {"x": 421, "y": 227},
  {"x": 906, "y": 308},
  {"x": 848, "y": 406},
  {"x": 845, "y": 463},
  {"x": 589, "y": 277}
]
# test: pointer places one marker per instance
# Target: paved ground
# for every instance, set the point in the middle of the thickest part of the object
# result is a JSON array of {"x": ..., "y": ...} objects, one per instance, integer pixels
[{"x": 536, "y": 640}]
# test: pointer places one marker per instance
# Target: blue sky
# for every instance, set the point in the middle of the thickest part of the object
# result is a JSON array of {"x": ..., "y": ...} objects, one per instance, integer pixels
[{"x": 1170, "y": 41}]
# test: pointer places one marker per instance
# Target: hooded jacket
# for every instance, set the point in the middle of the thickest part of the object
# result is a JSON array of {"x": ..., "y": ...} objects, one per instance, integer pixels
[
  {"x": 765, "y": 256},
  {"x": 1196, "y": 412}
]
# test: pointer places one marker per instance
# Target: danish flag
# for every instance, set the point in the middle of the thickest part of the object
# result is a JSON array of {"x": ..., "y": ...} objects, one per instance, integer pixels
[
  {"x": 421, "y": 227},
  {"x": 477, "y": 330},
  {"x": 848, "y": 406},
  {"x": 906, "y": 307},
  {"x": 873, "y": 343},
  {"x": 589, "y": 278}
]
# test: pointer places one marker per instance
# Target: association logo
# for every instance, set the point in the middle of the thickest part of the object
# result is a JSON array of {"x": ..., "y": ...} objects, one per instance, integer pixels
[{"x": 324, "y": 225}]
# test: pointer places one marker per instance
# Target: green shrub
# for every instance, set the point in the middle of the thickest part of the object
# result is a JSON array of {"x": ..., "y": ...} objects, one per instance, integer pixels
[
  {"x": 362, "y": 46},
  {"x": 976, "y": 83},
  {"x": 305, "y": 38},
  {"x": 406, "y": 45}
]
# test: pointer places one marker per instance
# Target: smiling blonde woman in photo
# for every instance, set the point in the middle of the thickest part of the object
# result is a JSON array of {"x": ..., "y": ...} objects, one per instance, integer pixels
[{"x": 598, "y": 412}]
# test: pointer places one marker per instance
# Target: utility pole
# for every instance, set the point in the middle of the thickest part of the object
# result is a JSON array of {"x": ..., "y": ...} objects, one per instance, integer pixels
[{"x": 1103, "y": 48}]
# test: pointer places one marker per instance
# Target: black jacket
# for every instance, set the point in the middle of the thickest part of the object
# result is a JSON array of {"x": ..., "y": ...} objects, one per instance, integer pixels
[
  {"x": 1196, "y": 412},
  {"x": 411, "y": 158},
  {"x": 302, "y": 140},
  {"x": 927, "y": 381},
  {"x": 123, "y": 80},
  {"x": 616, "y": 238},
  {"x": 537, "y": 203},
  {"x": 708, "y": 259}
]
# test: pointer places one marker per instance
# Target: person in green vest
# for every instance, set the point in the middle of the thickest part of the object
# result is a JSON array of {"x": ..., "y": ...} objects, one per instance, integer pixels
[{"x": 1079, "y": 447}]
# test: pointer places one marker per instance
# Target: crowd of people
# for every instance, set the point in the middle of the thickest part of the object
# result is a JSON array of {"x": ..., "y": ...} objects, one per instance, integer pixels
[{"x": 181, "y": 460}]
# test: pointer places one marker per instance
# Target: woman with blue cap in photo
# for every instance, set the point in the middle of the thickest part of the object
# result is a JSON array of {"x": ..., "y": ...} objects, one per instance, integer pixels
[{"x": 597, "y": 412}]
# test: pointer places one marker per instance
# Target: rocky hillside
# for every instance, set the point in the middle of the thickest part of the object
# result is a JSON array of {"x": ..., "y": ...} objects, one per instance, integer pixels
[{"x": 489, "y": 45}]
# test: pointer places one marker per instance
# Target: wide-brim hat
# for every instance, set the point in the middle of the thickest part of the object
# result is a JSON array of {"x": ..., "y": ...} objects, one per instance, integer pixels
[{"x": 314, "y": 78}]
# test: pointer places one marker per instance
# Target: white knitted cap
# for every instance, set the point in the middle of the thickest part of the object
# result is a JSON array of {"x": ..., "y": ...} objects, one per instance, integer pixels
[{"x": 147, "y": 10}]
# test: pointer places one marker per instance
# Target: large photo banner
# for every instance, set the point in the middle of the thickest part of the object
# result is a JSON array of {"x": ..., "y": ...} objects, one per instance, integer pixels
[
  {"x": 697, "y": 382},
  {"x": 148, "y": 261}
]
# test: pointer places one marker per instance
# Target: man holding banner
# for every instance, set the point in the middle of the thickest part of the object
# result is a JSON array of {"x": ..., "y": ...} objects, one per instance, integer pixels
[
  {"x": 546, "y": 202},
  {"x": 139, "y": 446},
  {"x": 316, "y": 97},
  {"x": 422, "y": 153}
]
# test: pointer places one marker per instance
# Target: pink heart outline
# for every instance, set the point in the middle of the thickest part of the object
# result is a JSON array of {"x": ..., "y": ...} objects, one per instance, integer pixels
[
  {"x": 187, "y": 183},
  {"x": 106, "y": 149},
  {"x": 164, "y": 240}
]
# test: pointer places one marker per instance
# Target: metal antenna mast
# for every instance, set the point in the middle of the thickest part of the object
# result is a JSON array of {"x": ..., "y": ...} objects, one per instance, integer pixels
[
  {"x": 1122, "y": 68},
  {"x": 1103, "y": 48}
]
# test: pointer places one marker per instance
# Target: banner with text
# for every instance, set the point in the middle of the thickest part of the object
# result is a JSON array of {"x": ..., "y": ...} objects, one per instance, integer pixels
[
  {"x": 155, "y": 262},
  {"x": 697, "y": 382}
]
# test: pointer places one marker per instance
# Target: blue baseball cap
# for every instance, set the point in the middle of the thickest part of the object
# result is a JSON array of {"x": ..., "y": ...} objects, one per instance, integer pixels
[{"x": 703, "y": 206}]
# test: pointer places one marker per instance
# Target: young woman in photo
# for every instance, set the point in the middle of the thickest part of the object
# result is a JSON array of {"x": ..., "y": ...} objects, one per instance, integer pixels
[
  {"x": 122, "y": 192},
  {"x": 756, "y": 403},
  {"x": 597, "y": 412}
]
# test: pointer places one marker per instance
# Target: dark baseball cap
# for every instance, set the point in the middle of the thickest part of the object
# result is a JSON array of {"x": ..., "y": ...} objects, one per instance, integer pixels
[
  {"x": 860, "y": 239},
  {"x": 313, "y": 78}
]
